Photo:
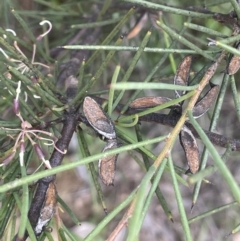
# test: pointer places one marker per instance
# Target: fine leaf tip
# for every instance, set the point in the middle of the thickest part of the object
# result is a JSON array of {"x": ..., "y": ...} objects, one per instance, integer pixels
[
  {"x": 105, "y": 211},
  {"x": 171, "y": 219},
  {"x": 193, "y": 205}
]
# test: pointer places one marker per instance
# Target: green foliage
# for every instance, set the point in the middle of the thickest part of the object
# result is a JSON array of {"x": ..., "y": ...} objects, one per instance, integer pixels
[{"x": 115, "y": 69}]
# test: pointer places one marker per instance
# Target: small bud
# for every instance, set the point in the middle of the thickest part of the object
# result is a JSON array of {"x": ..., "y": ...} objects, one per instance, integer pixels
[
  {"x": 39, "y": 151},
  {"x": 8, "y": 159}
]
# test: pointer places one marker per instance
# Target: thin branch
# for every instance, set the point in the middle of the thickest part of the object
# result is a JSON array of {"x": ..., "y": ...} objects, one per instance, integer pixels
[{"x": 171, "y": 120}]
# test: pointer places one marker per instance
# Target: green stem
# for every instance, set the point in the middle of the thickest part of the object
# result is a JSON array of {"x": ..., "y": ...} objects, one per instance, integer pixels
[
  {"x": 226, "y": 47},
  {"x": 213, "y": 124},
  {"x": 153, "y": 86},
  {"x": 184, "y": 41},
  {"x": 55, "y": 170},
  {"x": 113, "y": 33},
  {"x": 155, "y": 181},
  {"x": 24, "y": 206},
  {"x": 68, "y": 210},
  {"x": 86, "y": 153},
  {"x": 236, "y": 7},
  {"x": 150, "y": 75},
  {"x": 111, "y": 92},
  {"x": 235, "y": 95},
  {"x": 132, "y": 66},
  {"x": 205, "y": 30},
  {"x": 233, "y": 186},
  {"x": 199, "y": 176},
  {"x": 110, "y": 216},
  {"x": 179, "y": 200},
  {"x": 133, "y": 49},
  {"x": 213, "y": 211},
  {"x": 97, "y": 24},
  {"x": 165, "y": 8},
  {"x": 134, "y": 224}
]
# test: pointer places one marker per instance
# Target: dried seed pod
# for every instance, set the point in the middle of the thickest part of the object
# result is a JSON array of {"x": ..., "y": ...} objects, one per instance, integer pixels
[
  {"x": 146, "y": 102},
  {"x": 182, "y": 75},
  {"x": 190, "y": 148},
  {"x": 107, "y": 165},
  {"x": 48, "y": 209},
  {"x": 203, "y": 105},
  {"x": 234, "y": 64},
  {"x": 98, "y": 119}
]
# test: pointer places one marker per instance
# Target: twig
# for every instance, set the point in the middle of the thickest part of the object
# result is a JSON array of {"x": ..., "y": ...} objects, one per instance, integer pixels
[
  {"x": 170, "y": 120},
  {"x": 69, "y": 125},
  {"x": 124, "y": 221}
]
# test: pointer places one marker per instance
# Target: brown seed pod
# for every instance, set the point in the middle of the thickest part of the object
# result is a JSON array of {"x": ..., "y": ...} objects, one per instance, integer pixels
[
  {"x": 98, "y": 119},
  {"x": 151, "y": 101},
  {"x": 234, "y": 64},
  {"x": 107, "y": 165},
  {"x": 48, "y": 209},
  {"x": 182, "y": 75},
  {"x": 203, "y": 105},
  {"x": 190, "y": 148}
]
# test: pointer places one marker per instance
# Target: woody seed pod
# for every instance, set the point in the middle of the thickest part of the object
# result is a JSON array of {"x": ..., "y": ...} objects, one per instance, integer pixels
[
  {"x": 151, "y": 101},
  {"x": 48, "y": 209},
  {"x": 98, "y": 119},
  {"x": 234, "y": 63},
  {"x": 190, "y": 148},
  {"x": 203, "y": 105},
  {"x": 182, "y": 75},
  {"x": 107, "y": 165}
]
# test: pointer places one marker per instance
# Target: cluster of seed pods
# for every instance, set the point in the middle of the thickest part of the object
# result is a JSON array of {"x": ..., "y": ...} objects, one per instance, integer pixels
[
  {"x": 187, "y": 139},
  {"x": 102, "y": 123}
]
